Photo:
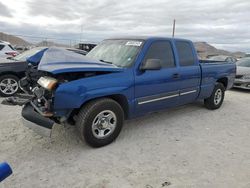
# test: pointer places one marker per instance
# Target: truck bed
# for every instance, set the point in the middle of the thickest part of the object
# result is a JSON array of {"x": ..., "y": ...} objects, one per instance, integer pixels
[{"x": 211, "y": 71}]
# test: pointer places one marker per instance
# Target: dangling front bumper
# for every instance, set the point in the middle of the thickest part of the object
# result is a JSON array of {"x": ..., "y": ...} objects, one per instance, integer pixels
[{"x": 35, "y": 121}]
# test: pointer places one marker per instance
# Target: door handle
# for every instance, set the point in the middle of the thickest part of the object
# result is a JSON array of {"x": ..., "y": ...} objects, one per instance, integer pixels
[{"x": 176, "y": 75}]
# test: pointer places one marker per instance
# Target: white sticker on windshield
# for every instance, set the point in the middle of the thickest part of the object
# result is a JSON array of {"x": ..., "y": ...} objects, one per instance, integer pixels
[{"x": 133, "y": 43}]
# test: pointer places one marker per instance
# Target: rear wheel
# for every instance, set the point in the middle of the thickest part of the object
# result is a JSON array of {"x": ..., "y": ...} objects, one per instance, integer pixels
[
  {"x": 100, "y": 121},
  {"x": 217, "y": 97},
  {"x": 8, "y": 85}
]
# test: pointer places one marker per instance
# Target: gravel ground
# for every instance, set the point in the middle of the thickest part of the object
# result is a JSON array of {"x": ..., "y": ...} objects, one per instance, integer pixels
[{"x": 188, "y": 146}]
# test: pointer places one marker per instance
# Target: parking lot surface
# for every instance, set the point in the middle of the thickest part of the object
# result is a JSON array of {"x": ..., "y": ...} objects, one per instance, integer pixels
[{"x": 188, "y": 146}]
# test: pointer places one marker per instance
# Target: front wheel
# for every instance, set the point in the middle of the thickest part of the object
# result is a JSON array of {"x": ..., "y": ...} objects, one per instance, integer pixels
[
  {"x": 8, "y": 85},
  {"x": 217, "y": 97},
  {"x": 100, "y": 121}
]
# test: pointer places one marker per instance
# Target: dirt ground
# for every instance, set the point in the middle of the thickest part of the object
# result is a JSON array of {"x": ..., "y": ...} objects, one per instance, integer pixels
[{"x": 188, "y": 146}]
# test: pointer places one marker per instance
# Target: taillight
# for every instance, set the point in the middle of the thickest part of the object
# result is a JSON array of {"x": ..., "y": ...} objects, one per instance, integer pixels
[{"x": 13, "y": 54}]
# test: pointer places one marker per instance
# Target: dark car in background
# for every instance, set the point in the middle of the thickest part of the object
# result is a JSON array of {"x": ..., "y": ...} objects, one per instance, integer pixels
[
  {"x": 12, "y": 70},
  {"x": 242, "y": 78},
  {"x": 78, "y": 51}
]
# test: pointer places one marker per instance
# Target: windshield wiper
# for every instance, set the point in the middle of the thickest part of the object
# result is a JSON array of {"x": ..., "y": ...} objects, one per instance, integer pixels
[{"x": 106, "y": 61}]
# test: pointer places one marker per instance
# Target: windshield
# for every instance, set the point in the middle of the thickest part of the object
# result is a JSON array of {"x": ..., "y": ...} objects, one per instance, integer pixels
[
  {"x": 121, "y": 53},
  {"x": 23, "y": 56},
  {"x": 244, "y": 62}
]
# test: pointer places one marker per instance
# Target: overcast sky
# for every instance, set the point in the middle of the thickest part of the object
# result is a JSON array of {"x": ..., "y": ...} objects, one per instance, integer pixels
[{"x": 223, "y": 23}]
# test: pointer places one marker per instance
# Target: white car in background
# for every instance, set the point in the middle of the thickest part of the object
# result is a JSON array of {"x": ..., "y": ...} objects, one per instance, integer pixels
[
  {"x": 6, "y": 50},
  {"x": 223, "y": 58}
]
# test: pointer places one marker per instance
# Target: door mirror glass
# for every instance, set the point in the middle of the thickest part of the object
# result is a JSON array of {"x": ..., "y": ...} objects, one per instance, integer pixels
[{"x": 151, "y": 64}]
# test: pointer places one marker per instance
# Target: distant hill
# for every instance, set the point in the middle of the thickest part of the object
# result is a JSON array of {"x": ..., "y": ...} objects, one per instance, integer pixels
[
  {"x": 17, "y": 41},
  {"x": 51, "y": 43},
  {"x": 13, "y": 40},
  {"x": 205, "y": 50}
]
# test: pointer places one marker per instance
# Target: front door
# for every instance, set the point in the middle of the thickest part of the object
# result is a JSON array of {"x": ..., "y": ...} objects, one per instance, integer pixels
[{"x": 157, "y": 89}]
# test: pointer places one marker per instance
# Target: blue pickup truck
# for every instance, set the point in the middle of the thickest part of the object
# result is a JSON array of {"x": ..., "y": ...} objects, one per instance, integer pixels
[{"x": 119, "y": 79}]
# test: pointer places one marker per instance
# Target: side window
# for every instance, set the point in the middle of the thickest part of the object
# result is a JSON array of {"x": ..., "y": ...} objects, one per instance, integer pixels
[
  {"x": 186, "y": 56},
  {"x": 1, "y": 47},
  {"x": 161, "y": 50}
]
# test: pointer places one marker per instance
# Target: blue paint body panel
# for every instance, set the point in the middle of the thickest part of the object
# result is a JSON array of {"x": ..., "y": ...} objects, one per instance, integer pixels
[
  {"x": 145, "y": 92},
  {"x": 74, "y": 94}
]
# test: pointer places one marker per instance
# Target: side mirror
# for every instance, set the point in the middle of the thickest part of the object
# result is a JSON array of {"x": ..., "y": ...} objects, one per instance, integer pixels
[{"x": 151, "y": 64}]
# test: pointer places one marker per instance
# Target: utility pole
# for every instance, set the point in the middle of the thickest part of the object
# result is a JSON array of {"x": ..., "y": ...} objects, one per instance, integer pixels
[
  {"x": 173, "y": 29},
  {"x": 81, "y": 33}
]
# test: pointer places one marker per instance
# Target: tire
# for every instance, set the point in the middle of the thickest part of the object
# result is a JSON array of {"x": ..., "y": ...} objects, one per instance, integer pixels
[
  {"x": 92, "y": 121},
  {"x": 216, "y": 99},
  {"x": 8, "y": 85}
]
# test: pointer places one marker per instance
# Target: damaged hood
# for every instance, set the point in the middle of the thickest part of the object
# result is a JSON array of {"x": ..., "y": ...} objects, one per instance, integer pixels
[{"x": 57, "y": 60}]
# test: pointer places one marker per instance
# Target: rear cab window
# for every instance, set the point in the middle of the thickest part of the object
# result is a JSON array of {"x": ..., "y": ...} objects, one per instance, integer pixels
[
  {"x": 185, "y": 53},
  {"x": 161, "y": 50}
]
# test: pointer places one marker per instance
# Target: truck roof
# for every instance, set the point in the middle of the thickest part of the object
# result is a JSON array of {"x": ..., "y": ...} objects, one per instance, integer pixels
[{"x": 148, "y": 38}]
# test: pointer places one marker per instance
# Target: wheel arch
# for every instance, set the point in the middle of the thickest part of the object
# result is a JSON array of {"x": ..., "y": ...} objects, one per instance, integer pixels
[
  {"x": 119, "y": 98},
  {"x": 223, "y": 81}
]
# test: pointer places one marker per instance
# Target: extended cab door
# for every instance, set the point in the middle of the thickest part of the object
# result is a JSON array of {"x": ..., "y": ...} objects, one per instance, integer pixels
[
  {"x": 189, "y": 71},
  {"x": 157, "y": 89}
]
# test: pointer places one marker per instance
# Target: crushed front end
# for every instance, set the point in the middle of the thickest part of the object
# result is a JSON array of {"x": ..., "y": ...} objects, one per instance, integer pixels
[
  {"x": 38, "y": 112},
  {"x": 56, "y": 88}
]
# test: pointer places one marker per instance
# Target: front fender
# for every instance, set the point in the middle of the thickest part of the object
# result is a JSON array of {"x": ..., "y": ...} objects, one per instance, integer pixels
[
  {"x": 77, "y": 97},
  {"x": 74, "y": 94}
]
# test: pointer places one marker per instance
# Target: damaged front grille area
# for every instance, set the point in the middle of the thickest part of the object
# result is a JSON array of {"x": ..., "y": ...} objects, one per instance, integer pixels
[{"x": 43, "y": 101}]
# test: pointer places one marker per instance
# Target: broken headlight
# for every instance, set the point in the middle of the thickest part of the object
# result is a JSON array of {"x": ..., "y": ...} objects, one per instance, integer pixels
[{"x": 48, "y": 83}]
